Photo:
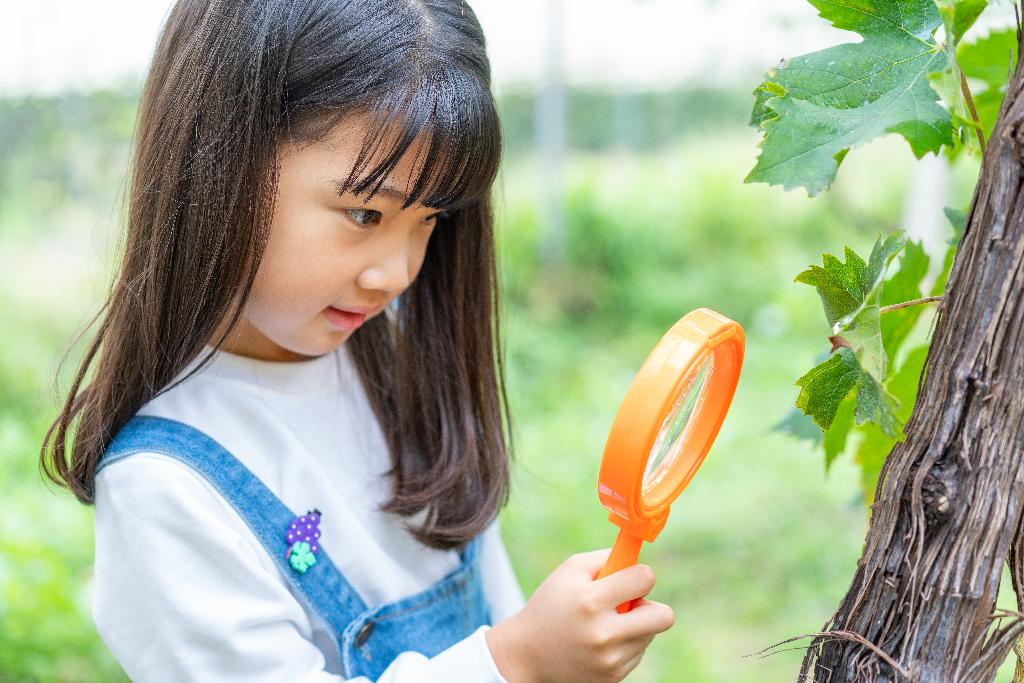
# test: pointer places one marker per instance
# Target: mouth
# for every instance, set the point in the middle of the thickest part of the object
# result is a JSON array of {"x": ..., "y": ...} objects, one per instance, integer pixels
[
  {"x": 350, "y": 318},
  {"x": 345, "y": 320}
]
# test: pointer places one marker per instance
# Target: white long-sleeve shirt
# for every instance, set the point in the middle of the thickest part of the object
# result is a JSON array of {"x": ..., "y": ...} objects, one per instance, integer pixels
[{"x": 183, "y": 590}]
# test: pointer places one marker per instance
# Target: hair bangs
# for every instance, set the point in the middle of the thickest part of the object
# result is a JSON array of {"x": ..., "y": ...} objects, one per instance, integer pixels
[{"x": 448, "y": 121}]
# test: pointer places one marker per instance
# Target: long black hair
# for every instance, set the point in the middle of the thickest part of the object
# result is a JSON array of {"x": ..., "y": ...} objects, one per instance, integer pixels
[{"x": 230, "y": 82}]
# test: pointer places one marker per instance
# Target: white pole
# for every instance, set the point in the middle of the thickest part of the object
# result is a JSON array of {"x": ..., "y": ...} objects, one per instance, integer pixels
[{"x": 549, "y": 118}]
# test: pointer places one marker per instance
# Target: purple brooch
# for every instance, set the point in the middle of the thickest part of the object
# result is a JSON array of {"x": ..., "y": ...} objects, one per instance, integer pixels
[{"x": 302, "y": 538}]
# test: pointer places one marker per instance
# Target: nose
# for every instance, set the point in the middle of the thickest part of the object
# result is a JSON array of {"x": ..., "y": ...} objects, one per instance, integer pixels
[{"x": 389, "y": 273}]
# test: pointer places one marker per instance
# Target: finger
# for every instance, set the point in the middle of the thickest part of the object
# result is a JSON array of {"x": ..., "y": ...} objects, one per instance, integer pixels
[
  {"x": 590, "y": 563},
  {"x": 646, "y": 618},
  {"x": 629, "y": 666},
  {"x": 630, "y": 583},
  {"x": 638, "y": 644}
]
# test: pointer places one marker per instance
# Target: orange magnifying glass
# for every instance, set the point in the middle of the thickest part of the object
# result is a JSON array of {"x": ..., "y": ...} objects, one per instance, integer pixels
[{"x": 671, "y": 414}]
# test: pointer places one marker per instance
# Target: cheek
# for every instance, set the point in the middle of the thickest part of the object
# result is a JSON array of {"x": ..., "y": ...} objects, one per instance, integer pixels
[
  {"x": 295, "y": 277},
  {"x": 418, "y": 254}
]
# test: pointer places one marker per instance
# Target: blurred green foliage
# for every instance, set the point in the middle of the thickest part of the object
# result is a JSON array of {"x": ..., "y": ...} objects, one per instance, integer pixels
[
  {"x": 759, "y": 547},
  {"x": 644, "y": 121}
]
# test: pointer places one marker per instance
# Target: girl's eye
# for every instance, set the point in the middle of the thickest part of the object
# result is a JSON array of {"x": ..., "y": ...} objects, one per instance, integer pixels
[
  {"x": 367, "y": 218},
  {"x": 364, "y": 218}
]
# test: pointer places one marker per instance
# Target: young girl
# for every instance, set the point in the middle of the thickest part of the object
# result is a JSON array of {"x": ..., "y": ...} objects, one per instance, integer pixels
[{"x": 295, "y": 429}]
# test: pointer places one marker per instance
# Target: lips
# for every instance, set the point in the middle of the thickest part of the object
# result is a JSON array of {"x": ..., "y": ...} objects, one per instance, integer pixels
[
  {"x": 368, "y": 311},
  {"x": 345, "y": 320}
]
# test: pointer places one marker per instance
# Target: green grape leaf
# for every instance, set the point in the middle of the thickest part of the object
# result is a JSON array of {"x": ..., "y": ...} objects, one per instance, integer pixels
[
  {"x": 844, "y": 287},
  {"x": 989, "y": 60},
  {"x": 903, "y": 383},
  {"x": 876, "y": 404},
  {"x": 870, "y": 455},
  {"x": 864, "y": 333},
  {"x": 798, "y": 425},
  {"x": 836, "y": 435},
  {"x": 825, "y": 386},
  {"x": 814, "y": 108},
  {"x": 849, "y": 390},
  {"x": 958, "y": 219},
  {"x": 957, "y": 17},
  {"x": 987, "y": 104},
  {"x": 850, "y": 293},
  {"x": 903, "y": 285},
  {"x": 840, "y": 285},
  {"x": 876, "y": 444},
  {"x": 761, "y": 112}
]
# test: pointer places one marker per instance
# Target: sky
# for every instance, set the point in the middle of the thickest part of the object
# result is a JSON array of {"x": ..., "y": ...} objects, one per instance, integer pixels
[{"x": 52, "y": 45}]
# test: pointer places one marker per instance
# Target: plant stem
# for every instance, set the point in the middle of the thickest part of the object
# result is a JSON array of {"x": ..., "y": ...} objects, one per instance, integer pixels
[
  {"x": 912, "y": 302},
  {"x": 971, "y": 108}
]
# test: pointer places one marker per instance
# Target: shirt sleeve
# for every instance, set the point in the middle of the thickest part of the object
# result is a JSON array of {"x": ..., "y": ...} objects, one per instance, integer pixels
[
  {"x": 501, "y": 587},
  {"x": 182, "y": 590}
]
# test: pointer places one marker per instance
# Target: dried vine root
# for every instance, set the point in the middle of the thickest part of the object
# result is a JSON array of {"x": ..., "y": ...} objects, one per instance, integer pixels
[{"x": 1018, "y": 649}]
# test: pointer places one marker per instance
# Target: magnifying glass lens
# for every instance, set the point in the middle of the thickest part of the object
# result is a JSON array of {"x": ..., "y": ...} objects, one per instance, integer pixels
[{"x": 671, "y": 435}]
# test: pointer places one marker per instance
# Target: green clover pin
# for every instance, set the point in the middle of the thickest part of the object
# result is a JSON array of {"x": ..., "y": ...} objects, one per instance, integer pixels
[{"x": 301, "y": 557}]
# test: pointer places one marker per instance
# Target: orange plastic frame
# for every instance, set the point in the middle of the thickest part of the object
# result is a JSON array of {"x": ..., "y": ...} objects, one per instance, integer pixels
[{"x": 654, "y": 392}]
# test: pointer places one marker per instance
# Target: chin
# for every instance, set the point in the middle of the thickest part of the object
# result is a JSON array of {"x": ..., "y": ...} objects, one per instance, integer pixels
[
  {"x": 324, "y": 344},
  {"x": 304, "y": 349}
]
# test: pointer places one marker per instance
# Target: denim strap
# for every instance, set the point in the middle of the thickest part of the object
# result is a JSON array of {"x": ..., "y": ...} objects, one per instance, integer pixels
[{"x": 323, "y": 586}]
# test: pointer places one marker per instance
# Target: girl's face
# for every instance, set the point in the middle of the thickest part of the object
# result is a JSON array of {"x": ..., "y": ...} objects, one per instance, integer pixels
[{"x": 328, "y": 251}]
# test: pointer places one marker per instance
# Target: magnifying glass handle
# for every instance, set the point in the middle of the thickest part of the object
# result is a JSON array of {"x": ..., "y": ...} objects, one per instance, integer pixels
[{"x": 624, "y": 554}]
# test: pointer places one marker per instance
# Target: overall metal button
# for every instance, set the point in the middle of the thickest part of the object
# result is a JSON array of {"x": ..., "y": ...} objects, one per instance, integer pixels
[{"x": 364, "y": 634}]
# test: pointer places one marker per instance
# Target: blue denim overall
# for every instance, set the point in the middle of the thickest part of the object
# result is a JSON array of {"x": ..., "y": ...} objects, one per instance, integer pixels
[{"x": 368, "y": 639}]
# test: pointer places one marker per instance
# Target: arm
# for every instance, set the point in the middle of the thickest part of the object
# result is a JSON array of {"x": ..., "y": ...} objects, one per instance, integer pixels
[{"x": 184, "y": 591}]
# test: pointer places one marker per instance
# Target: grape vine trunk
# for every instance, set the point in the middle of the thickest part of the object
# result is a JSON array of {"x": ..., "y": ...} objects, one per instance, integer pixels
[{"x": 949, "y": 503}]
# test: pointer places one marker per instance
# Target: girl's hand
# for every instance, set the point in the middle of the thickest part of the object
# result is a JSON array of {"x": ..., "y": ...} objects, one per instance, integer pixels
[{"x": 569, "y": 629}]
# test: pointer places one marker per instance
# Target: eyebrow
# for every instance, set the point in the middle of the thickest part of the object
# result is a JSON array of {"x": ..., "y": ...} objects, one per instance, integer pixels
[{"x": 384, "y": 190}]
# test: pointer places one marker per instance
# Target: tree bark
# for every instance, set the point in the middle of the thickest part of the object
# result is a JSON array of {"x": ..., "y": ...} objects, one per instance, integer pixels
[{"x": 950, "y": 498}]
